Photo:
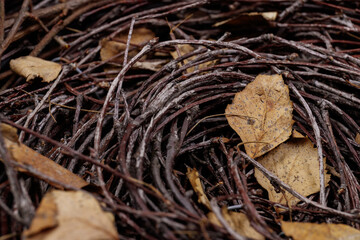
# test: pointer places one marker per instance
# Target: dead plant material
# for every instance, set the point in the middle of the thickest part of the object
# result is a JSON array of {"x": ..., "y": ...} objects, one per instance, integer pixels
[{"x": 120, "y": 122}]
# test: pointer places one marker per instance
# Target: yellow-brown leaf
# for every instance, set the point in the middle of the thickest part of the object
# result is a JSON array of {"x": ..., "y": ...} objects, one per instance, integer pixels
[
  {"x": 194, "y": 179},
  {"x": 295, "y": 163},
  {"x": 296, "y": 134},
  {"x": 323, "y": 231},
  {"x": 33, "y": 67},
  {"x": 46, "y": 167},
  {"x": 262, "y": 114},
  {"x": 237, "y": 221},
  {"x": 110, "y": 48},
  {"x": 357, "y": 138},
  {"x": 70, "y": 215}
]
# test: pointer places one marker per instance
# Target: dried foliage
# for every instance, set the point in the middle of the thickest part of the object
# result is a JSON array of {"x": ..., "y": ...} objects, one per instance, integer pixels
[
  {"x": 295, "y": 163},
  {"x": 323, "y": 231},
  {"x": 33, "y": 67},
  {"x": 238, "y": 221},
  {"x": 121, "y": 123},
  {"x": 71, "y": 215},
  {"x": 262, "y": 114}
]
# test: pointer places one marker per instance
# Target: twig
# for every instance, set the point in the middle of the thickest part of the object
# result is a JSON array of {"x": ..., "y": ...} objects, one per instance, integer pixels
[
  {"x": 318, "y": 143},
  {"x": 63, "y": 72},
  {"x": 217, "y": 212},
  {"x": 275, "y": 179},
  {"x": 2, "y": 20},
  {"x": 18, "y": 22},
  {"x": 25, "y": 207}
]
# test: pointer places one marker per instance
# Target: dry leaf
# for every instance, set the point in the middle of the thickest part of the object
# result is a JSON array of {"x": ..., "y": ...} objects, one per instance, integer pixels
[
  {"x": 194, "y": 179},
  {"x": 296, "y": 164},
  {"x": 70, "y": 215},
  {"x": 185, "y": 49},
  {"x": 33, "y": 67},
  {"x": 262, "y": 113},
  {"x": 9, "y": 132},
  {"x": 357, "y": 138},
  {"x": 111, "y": 48},
  {"x": 296, "y": 134},
  {"x": 237, "y": 221},
  {"x": 322, "y": 231},
  {"x": 28, "y": 157}
]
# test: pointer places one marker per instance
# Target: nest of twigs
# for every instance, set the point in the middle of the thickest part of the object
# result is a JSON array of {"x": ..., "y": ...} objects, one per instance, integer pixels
[{"x": 125, "y": 130}]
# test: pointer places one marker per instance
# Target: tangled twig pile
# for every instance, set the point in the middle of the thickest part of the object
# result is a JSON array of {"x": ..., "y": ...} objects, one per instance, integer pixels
[{"x": 126, "y": 130}]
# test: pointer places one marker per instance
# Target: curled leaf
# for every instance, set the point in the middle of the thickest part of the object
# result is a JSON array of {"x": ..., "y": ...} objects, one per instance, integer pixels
[
  {"x": 194, "y": 179},
  {"x": 44, "y": 168},
  {"x": 33, "y": 67}
]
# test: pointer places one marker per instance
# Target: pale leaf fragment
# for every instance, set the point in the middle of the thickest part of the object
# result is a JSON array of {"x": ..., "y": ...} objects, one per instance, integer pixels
[
  {"x": 322, "y": 231},
  {"x": 261, "y": 114},
  {"x": 249, "y": 19},
  {"x": 237, "y": 221},
  {"x": 295, "y": 163},
  {"x": 70, "y": 215},
  {"x": 269, "y": 16},
  {"x": 33, "y": 67},
  {"x": 193, "y": 176},
  {"x": 48, "y": 170}
]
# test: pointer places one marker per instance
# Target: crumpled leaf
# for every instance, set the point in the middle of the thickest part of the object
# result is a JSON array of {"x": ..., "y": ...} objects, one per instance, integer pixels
[
  {"x": 111, "y": 48},
  {"x": 237, "y": 221},
  {"x": 194, "y": 179},
  {"x": 295, "y": 163},
  {"x": 322, "y": 231},
  {"x": 33, "y": 67},
  {"x": 70, "y": 215},
  {"x": 262, "y": 113},
  {"x": 185, "y": 49},
  {"x": 41, "y": 164}
]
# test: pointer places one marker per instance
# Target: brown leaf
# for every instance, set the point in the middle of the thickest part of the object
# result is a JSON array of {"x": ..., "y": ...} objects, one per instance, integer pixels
[
  {"x": 237, "y": 221},
  {"x": 357, "y": 138},
  {"x": 46, "y": 167},
  {"x": 70, "y": 215},
  {"x": 111, "y": 48},
  {"x": 45, "y": 217},
  {"x": 185, "y": 49},
  {"x": 33, "y": 67},
  {"x": 296, "y": 164},
  {"x": 322, "y": 231},
  {"x": 262, "y": 113},
  {"x": 194, "y": 179},
  {"x": 296, "y": 134}
]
